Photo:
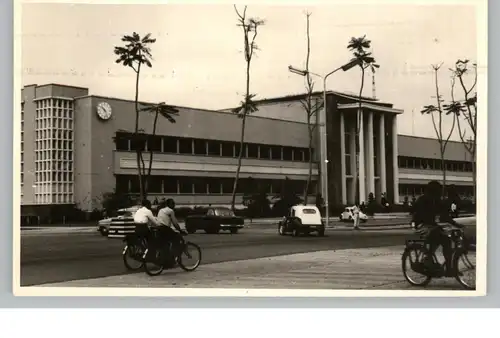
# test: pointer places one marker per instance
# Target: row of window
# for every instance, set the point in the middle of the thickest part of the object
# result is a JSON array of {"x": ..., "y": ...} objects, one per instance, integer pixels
[
  {"x": 350, "y": 170},
  {"x": 206, "y": 185},
  {"x": 202, "y": 147},
  {"x": 53, "y": 112},
  {"x": 54, "y": 134},
  {"x": 433, "y": 164},
  {"x": 47, "y": 188},
  {"x": 59, "y": 198},
  {"x": 55, "y": 144},
  {"x": 53, "y": 123},
  {"x": 53, "y": 165},
  {"x": 53, "y": 176},
  {"x": 54, "y": 103},
  {"x": 418, "y": 189},
  {"x": 47, "y": 155}
]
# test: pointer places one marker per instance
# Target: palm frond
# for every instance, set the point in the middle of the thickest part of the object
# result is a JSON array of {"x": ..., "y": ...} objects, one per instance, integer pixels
[
  {"x": 456, "y": 108},
  {"x": 429, "y": 109}
]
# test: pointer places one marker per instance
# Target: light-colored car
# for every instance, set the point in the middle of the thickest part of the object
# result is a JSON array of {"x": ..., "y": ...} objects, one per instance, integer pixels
[
  {"x": 123, "y": 214},
  {"x": 348, "y": 216},
  {"x": 302, "y": 219}
]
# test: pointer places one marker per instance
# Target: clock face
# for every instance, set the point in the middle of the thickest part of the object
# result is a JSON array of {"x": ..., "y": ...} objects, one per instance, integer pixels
[{"x": 104, "y": 110}]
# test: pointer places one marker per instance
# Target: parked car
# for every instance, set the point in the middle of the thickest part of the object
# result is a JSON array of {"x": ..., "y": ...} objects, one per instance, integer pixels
[
  {"x": 348, "y": 216},
  {"x": 302, "y": 219},
  {"x": 215, "y": 220}
]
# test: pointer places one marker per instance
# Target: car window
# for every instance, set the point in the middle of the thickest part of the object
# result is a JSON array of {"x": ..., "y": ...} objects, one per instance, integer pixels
[
  {"x": 347, "y": 209},
  {"x": 210, "y": 212},
  {"x": 224, "y": 212},
  {"x": 309, "y": 211}
]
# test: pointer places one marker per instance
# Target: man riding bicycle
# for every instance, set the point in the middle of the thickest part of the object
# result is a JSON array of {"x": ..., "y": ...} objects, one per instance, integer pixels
[
  {"x": 426, "y": 210},
  {"x": 168, "y": 222}
]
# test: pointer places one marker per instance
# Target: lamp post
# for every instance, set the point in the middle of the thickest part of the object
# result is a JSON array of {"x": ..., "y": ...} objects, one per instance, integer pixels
[{"x": 323, "y": 135}]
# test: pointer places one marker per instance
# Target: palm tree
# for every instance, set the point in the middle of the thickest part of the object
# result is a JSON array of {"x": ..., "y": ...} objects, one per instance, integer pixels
[
  {"x": 167, "y": 112},
  {"x": 359, "y": 47},
  {"x": 250, "y": 30},
  {"x": 135, "y": 53}
]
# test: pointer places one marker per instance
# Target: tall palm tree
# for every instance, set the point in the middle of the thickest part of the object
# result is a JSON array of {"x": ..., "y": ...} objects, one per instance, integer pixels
[
  {"x": 135, "y": 53},
  {"x": 359, "y": 46},
  {"x": 167, "y": 112}
]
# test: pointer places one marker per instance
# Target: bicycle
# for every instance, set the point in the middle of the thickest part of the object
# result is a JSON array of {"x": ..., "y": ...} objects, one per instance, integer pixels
[
  {"x": 135, "y": 246},
  {"x": 161, "y": 256},
  {"x": 420, "y": 247}
]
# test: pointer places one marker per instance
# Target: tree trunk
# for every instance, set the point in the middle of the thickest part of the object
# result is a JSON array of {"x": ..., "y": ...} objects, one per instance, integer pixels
[
  {"x": 150, "y": 164},
  {"x": 242, "y": 140},
  {"x": 138, "y": 150},
  {"x": 309, "y": 177},
  {"x": 443, "y": 188},
  {"x": 359, "y": 120}
]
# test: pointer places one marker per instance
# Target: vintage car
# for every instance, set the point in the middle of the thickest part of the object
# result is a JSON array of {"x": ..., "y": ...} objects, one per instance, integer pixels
[
  {"x": 348, "y": 216},
  {"x": 215, "y": 220},
  {"x": 123, "y": 215},
  {"x": 302, "y": 219}
]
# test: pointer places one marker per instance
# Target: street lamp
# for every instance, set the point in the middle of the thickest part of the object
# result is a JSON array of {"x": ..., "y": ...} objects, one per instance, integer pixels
[{"x": 323, "y": 135}]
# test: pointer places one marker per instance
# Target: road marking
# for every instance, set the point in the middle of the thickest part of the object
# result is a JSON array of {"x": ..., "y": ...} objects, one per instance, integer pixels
[{"x": 367, "y": 268}]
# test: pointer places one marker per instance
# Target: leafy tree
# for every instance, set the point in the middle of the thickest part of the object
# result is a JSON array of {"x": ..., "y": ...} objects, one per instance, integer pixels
[
  {"x": 255, "y": 199},
  {"x": 441, "y": 136},
  {"x": 286, "y": 198},
  {"x": 359, "y": 47},
  {"x": 134, "y": 54},
  {"x": 113, "y": 201},
  {"x": 250, "y": 30},
  {"x": 465, "y": 109},
  {"x": 311, "y": 109}
]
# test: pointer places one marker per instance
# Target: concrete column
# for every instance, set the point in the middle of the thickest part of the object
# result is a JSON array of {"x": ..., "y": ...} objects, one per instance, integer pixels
[
  {"x": 395, "y": 158},
  {"x": 370, "y": 166},
  {"x": 381, "y": 156},
  {"x": 361, "y": 157},
  {"x": 342, "y": 158},
  {"x": 352, "y": 131},
  {"x": 323, "y": 154}
]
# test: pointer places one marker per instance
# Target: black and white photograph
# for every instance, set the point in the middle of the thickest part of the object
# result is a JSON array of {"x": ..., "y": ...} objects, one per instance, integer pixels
[{"x": 265, "y": 149}]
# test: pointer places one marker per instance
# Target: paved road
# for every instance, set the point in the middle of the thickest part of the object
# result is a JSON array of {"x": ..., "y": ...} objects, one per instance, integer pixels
[{"x": 59, "y": 257}]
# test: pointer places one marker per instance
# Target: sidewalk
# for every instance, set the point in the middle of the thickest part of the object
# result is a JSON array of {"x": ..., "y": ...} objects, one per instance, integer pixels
[{"x": 369, "y": 268}]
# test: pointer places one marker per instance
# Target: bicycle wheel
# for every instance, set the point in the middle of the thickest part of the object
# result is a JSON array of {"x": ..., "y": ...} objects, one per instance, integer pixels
[
  {"x": 190, "y": 257},
  {"x": 153, "y": 263},
  {"x": 413, "y": 262},
  {"x": 132, "y": 256},
  {"x": 464, "y": 263}
]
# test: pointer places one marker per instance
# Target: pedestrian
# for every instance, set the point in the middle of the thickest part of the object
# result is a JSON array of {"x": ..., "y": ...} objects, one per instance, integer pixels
[{"x": 355, "y": 216}]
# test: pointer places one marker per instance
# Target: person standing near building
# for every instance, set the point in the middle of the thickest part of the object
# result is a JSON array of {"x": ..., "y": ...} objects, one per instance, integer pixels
[{"x": 355, "y": 216}]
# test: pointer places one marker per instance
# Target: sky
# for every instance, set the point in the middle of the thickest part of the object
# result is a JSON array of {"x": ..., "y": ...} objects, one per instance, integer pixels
[{"x": 198, "y": 60}]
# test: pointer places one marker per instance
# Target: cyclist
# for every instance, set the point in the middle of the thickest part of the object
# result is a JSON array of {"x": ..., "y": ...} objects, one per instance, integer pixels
[
  {"x": 426, "y": 210},
  {"x": 144, "y": 215},
  {"x": 168, "y": 221}
]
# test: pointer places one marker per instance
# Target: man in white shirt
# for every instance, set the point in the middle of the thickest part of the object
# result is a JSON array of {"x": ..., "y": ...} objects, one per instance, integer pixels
[
  {"x": 355, "y": 212},
  {"x": 144, "y": 215}
]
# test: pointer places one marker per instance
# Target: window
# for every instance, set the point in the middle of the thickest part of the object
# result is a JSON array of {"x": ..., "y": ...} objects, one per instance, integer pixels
[
  {"x": 122, "y": 184},
  {"x": 309, "y": 211},
  {"x": 214, "y": 186},
  {"x": 200, "y": 147},
  {"x": 287, "y": 153},
  {"x": 298, "y": 155},
  {"x": 170, "y": 144},
  {"x": 155, "y": 184},
  {"x": 243, "y": 149},
  {"x": 186, "y": 146},
  {"x": 200, "y": 185},
  {"x": 137, "y": 142},
  {"x": 185, "y": 185},
  {"x": 170, "y": 185},
  {"x": 307, "y": 155},
  {"x": 275, "y": 153},
  {"x": 227, "y": 185},
  {"x": 214, "y": 148},
  {"x": 253, "y": 150},
  {"x": 265, "y": 152},
  {"x": 154, "y": 143},
  {"x": 227, "y": 149},
  {"x": 210, "y": 212},
  {"x": 134, "y": 184}
]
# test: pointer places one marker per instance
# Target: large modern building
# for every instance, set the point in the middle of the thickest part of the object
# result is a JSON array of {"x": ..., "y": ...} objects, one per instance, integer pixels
[{"x": 72, "y": 152}]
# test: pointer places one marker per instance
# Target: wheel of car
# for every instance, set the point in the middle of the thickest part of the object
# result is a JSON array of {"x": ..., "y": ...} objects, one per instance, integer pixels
[
  {"x": 190, "y": 230},
  {"x": 103, "y": 231},
  {"x": 340, "y": 218},
  {"x": 281, "y": 229},
  {"x": 296, "y": 232},
  {"x": 234, "y": 231},
  {"x": 321, "y": 233}
]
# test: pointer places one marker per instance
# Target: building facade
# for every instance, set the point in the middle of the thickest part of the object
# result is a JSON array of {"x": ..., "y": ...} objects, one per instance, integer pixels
[{"x": 71, "y": 155}]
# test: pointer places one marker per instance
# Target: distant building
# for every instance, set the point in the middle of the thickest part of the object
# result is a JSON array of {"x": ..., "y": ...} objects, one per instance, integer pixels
[{"x": 71, "y": 155}]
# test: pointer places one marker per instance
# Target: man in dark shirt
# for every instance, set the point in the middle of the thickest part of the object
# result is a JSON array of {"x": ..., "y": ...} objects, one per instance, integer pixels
[{"x": 426, "y": 211}]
